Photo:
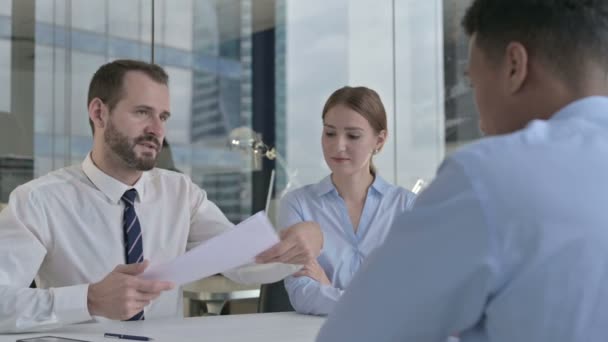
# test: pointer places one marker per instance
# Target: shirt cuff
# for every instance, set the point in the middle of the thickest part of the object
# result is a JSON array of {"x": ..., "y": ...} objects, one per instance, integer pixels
[
  {"x": 70, "y": 303},
  {"x": 332, "y": 296}
]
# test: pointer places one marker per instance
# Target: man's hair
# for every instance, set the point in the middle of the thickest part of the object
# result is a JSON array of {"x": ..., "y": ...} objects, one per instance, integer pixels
[
  {"x": 565, "y": 34},
  {"x": 107, "y": 82}
]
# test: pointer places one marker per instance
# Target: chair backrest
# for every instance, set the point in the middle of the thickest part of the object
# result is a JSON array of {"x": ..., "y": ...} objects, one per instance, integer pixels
[{"x": 274, "y": 298}]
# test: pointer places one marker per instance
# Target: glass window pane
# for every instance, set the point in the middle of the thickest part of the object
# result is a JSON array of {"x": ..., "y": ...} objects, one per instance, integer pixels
[
  {"x": 130, "y": 19},
  {"x": 327, "y": 46},
  {"x": 263, "y": 65},
  {"x": 317, "y": 63},
  {"x": 46, "y": 10},
  {"x": 44, "y": 89},
  {"x": 89, "y": 15},
  {"x": 178, "y": 126},
  {"x": 81, "y": 69},
  {"x": 169, "y": 13},
  {"x": 70, "y": 40},
  {"x": 5, "y": 75},
  {"x": 6, "y": 7},
  {"x": 419, "y": 89},
  {"x": 461, "y": 116},
  {"x": 203, "y": 57}
]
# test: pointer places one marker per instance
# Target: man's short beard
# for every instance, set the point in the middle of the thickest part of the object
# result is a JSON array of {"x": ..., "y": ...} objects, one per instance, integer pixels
[{"x": 125, "y": 150}]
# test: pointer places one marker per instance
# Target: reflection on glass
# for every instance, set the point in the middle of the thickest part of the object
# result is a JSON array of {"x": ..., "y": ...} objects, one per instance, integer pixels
[
  {"x": 263, "y": 65},
  {"x": 210, "y": 50},
  {"x": 245, "y": 138},
  {"x": 6, "y": 7},
  {"x": 461, "y": 118},
  {"x": 5, "y": 75},
  {"x": 249, "y": 141}
]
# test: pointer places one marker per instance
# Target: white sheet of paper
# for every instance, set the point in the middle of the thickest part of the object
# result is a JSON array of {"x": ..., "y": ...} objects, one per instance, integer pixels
[{"x": 236, "y": 247}]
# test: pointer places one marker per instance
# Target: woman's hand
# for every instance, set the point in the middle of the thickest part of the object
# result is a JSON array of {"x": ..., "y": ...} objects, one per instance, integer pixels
[
  {"x": 315, "y": 271},
  {"x": 300, "y": 244}
]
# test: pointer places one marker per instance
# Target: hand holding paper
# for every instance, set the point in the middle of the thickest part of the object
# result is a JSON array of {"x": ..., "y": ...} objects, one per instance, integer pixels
[
  {"x": 231, "y": 249},
  {"x": 300, "y": 244}
]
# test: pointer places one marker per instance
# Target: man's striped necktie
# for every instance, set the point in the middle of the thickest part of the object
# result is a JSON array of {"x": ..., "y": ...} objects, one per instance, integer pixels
[{"x": 134, "y": 247}]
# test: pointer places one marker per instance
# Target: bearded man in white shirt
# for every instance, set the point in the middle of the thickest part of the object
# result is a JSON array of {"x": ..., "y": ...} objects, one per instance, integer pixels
[{"x": 85, "y": 232}]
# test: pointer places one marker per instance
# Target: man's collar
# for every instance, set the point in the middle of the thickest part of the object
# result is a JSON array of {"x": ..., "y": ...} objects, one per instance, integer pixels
[
  {"x": 110, "y": 186},
  {"x": 586, "y": 106}
]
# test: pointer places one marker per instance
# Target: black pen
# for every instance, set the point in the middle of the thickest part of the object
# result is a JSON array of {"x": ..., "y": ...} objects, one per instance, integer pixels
[{"x": 127, "y": 337}]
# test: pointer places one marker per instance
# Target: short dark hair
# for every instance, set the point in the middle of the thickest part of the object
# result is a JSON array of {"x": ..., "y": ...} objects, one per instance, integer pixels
[
  {"x": 107, "y": 82},
  {"x": 564, "y": 33}
]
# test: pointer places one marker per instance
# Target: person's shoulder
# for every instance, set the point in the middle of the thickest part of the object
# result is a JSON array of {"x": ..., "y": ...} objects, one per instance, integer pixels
[
  {"x": 396, "y": 190},
  {"x": 402, "y": 192},
  {"x": 171, "y": 184},
  {"x": 169, "y": 177},
  {"x": 496, "y": 151},
  {"x": 537, "y": 133},
  {"x": 302, "y": 193},
  {"x": 52, "y": 182},
  {"x": 309, "y": 193},
  {"x": 398, "y": 194},
  {"x": 500, "y": 162}
]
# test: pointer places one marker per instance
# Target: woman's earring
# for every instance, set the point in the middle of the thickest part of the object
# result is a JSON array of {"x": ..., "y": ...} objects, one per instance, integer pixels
[{"x": 376, "y": 151}]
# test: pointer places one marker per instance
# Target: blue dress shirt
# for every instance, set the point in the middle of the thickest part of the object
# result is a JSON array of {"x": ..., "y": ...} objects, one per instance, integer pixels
[
  {"x": 509, "y": 243},
  {"x": 343, "y": 249}
]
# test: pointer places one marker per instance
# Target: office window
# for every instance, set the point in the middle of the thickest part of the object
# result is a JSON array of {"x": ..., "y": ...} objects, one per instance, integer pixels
[
  {"x": 5, "y": 54},
  {"x": 266, "y": 65},
  {"x": 461, "y": 116}
]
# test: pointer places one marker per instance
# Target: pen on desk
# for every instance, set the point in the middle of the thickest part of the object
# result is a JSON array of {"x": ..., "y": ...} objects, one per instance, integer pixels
[{"x": 127, "y": 337}]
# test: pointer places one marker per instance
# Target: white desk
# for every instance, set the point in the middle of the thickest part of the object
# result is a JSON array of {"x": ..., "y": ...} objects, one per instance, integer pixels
[{"x": 271, "y": 327}]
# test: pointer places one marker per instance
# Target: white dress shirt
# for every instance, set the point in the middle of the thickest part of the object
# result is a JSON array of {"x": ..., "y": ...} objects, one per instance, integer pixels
[
  {"x": 65, "y": 229},
  {"x": 508, "y": 244}
]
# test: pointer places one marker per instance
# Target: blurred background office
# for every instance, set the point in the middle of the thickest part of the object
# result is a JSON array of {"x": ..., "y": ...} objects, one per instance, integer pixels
[{"x": 263, "y": 64}]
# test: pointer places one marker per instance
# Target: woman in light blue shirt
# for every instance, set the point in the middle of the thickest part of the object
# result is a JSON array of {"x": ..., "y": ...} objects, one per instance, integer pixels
[{"x": 354, "y": 206}]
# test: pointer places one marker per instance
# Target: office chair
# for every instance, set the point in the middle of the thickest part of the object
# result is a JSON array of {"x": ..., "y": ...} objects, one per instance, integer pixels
[{"x": 274, "y": 298}]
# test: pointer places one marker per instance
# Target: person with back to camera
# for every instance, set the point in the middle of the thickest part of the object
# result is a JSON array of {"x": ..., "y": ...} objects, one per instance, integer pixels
[
  {"x": 354, "y": 206},
  {"x": 509, "y": 243}
]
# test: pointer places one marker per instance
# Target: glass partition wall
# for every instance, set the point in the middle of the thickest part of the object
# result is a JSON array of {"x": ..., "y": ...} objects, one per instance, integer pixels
[{"x": 263, "y": 66}]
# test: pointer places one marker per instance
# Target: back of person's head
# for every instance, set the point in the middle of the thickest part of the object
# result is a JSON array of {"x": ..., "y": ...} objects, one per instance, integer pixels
[
  {"x": 364, "y": 101},
  {"x": 107, "y": 82},
  {"x": 565, "y": 34}
]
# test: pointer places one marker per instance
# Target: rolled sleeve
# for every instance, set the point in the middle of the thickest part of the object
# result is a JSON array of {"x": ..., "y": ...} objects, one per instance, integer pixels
[{"x": 308, "y": 296}]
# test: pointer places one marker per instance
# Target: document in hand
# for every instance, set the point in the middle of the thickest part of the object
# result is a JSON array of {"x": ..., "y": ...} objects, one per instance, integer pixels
[{"x": 234, "y": 248}]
